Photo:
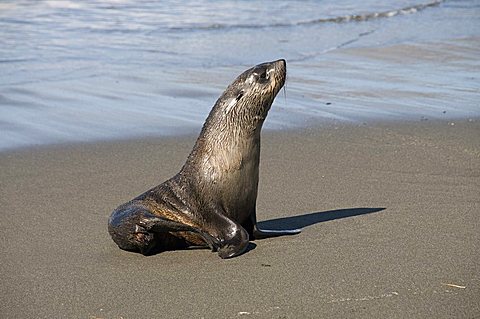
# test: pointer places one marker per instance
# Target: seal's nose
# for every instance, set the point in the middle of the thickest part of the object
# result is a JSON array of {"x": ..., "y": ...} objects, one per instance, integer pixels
[{"x": 282, "y": 62}]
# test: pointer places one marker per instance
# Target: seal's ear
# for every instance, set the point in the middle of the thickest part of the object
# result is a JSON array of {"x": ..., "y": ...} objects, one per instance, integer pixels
[
  {"x": 233, "y": 101},
  {"x": 230, "y": 105}
]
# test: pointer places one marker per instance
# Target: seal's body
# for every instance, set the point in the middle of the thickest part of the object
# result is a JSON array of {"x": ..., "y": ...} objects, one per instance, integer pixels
[{"x": 212, "y": 200}]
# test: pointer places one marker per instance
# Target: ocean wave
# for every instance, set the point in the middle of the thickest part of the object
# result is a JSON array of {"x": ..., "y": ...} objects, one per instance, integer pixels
[
  {"x": 339, "y": 19},
  {"x": 375, "y": 15}
]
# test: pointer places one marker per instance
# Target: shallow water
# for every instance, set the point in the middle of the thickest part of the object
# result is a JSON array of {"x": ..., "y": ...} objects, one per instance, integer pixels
[{"x": 94, "y": 70}]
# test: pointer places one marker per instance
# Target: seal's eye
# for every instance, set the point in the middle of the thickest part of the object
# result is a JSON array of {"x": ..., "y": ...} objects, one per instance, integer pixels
[
  {"x": 263, "y": 75},
  {"x": 259, "y": 75}
]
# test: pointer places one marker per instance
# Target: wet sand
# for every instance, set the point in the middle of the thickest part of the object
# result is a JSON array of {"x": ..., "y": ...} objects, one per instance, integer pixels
[{"x": 390, "y": 214}]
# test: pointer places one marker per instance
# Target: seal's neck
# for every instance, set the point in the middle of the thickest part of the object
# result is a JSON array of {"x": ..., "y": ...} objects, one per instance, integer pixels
[{"x": 224, "y": 147}]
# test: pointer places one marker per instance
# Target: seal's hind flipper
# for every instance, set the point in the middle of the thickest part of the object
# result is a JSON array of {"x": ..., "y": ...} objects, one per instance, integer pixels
[
  {"x": 134, "y": 228},
  {"x": 161, "y": 225},
  {"x": 266, "y": 233},
  {"x": 158, "y": 224},
  {"x": 256, "y": 233}
]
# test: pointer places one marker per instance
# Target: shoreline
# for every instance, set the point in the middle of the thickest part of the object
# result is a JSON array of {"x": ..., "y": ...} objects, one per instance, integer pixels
[
  {"x": 313, "y": 124},
  {"x": 390, "y": 212}
]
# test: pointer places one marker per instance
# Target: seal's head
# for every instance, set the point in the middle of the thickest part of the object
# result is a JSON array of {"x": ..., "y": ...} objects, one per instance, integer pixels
[{"x": 249, "y": 98}]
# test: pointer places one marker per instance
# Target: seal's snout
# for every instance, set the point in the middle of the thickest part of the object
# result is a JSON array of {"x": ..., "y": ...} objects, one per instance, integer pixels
[
  {"x": 279, "y": 69},
  {"x": 282, "y": 62},
  {"x": 279, "y": 66}
]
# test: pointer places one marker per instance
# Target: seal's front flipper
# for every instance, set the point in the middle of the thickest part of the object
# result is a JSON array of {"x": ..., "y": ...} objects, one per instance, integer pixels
[
  {"x": 266, "y": 233},
  {"x": 234, "y": 242},
  {"x": 232, "y": 238}
]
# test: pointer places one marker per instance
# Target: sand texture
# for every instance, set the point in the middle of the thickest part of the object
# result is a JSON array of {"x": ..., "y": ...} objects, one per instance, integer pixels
[{"x": 390, "y": 215}]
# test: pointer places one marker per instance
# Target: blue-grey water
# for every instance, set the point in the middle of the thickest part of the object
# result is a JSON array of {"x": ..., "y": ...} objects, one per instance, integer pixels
[{"x": 82, "y": 70}]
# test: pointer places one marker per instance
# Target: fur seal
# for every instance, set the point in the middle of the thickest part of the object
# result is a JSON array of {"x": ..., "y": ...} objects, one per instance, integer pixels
[{"x": 212, "y": 200}]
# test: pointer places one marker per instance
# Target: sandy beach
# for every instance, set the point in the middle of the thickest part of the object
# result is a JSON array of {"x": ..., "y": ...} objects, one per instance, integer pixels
[{"x": 389, "y": 210}]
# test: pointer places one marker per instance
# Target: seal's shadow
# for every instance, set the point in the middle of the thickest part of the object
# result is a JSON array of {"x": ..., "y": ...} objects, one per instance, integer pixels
[
  {"x": 302, "y": 221},
  {"x": 293, "y": 222}
]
